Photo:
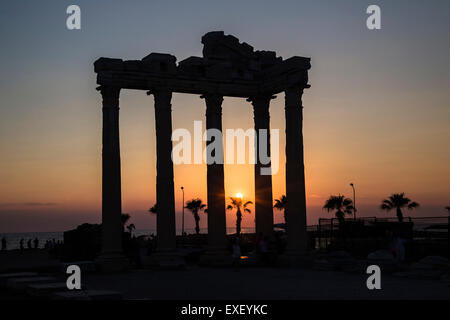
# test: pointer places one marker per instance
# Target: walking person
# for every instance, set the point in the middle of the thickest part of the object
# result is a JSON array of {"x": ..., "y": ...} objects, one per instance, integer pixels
[
  {"x": 4, "y": 243},
  {"x": 264, "y": 250},
  {"x": 36, "y": 243},
  {"x": 236, "y": 254},
  {"x": 21, "y": 245}
]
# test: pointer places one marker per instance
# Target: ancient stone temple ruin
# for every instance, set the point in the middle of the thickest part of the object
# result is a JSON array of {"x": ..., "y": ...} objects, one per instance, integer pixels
[{"x": 227, "y": 68}]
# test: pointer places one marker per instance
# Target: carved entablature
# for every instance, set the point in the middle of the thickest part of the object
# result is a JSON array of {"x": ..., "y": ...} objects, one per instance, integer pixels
[{"x": 228, "y": 68}]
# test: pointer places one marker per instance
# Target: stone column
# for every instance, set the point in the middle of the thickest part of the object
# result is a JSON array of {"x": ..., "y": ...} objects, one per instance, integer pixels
[
  {"x": 263, "y": 182},
  {"x": 215, "y": 179},
  {"x": 111, "y": 258},
  {"x": 165, "y": 218},
  {"x": 295, "y": 172}
]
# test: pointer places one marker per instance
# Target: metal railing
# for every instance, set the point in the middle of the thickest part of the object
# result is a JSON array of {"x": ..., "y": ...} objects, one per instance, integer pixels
[{"x": 429, "y": 229}]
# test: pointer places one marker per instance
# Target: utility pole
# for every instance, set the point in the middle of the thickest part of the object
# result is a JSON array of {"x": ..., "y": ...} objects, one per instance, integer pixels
[
  {"x": 354, "y": 200},
  {"x": 182, "y": 216}
]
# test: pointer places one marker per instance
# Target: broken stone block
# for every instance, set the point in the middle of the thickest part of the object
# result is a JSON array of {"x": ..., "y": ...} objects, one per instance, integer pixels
[
  {"x": 384, "y": 259},
  {"x": 132, "y": 65},
  {"x": 159, "y": 62},
  {"x": 192, "y": 66},
  {"x": 5, "y": 276},
  {"x": 85, "y": 266},
  {"x": 87, "y": 295},
  {"x": 20, "y": 284},
  {"x": 108, "y": 64},
  {"x": 45, "y": 289}
]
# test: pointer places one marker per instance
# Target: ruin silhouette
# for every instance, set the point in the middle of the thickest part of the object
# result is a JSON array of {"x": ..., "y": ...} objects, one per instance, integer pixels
[{"x": 227, "y": 68}]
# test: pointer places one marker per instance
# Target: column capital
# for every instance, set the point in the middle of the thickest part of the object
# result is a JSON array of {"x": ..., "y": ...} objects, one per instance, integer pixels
[
  {"x": 213, "y": 103},
  {"x": 261, "y": 104},
  {"x": 293, "y": 97},
  {"x": 110, "y": 96},
  {"x": 162, "y": 97},
  {"x": 263, "y": 98},
  {"x": 212, "y": 98}
]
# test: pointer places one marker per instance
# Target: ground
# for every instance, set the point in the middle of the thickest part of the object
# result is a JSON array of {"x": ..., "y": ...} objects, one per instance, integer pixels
[
  {"x": 35, "y": 260},
  {"x": 227, "y": 284},
  {"x": 262, "y": 283}
]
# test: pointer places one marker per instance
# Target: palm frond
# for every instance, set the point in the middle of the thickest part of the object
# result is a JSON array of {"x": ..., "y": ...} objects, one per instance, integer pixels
[
  {"x": 153, "y": 209},
  {"x": 124, "y": 218},
  {"x": 399, "y": 201},
  {"x": 413, "y": 205},
  {"x": 280, "y": 204},
  {"x": 386, "y": 204}
]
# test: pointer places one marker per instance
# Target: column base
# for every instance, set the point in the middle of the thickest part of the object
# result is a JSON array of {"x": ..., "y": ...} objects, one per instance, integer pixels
[
  {"x": 216, "y": 258},
  {"x": 166, "y": 260},
  {"x": 112, "y": 262}
]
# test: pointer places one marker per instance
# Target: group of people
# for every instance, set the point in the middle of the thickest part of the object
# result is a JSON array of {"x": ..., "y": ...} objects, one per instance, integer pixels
[
  {"x": 4, "y": 244},
  {"x": 266, "y": 248},
  {"x": 30, "y": 244}
]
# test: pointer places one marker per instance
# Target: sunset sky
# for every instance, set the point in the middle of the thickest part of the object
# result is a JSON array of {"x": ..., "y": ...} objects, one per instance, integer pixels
[{"x": 377, "y": 113}]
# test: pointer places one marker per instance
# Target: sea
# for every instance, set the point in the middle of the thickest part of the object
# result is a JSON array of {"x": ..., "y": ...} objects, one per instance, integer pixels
[{"x": 13, "y": 239}]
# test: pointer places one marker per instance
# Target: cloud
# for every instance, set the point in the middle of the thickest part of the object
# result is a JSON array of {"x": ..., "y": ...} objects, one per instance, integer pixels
[
  {"x": 36, "y": 204},
  {"x": 27, "y": 204}
]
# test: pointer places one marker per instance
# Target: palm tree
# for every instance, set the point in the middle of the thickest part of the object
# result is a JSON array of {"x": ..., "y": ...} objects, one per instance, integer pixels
[
  {"x": 124, "y": 219},
  {"x": 130, "y": 228},
  {"x": 153, "y": 209},
  {"x": 280, "y": 204},
  {"x": 196, "y": 206},
  {"x": 341, "y": 204},
  {"x": 238, "y": 204},
  {"x": 398, "y": 201}
]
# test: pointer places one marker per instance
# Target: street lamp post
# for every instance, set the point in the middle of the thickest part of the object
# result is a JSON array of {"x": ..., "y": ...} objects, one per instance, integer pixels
[
  {"x": 354, "y": 200},
  {"x": 182, "y": 215}
]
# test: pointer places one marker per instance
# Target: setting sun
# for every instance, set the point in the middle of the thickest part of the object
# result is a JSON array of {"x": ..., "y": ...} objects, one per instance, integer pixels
[{"x": 239, "y": 195}]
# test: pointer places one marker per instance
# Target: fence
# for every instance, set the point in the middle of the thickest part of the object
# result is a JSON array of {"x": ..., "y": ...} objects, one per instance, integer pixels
[{"x": 429, "y": 232}]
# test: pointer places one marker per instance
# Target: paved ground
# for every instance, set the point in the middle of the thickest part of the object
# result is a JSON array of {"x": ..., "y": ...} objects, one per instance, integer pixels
[
  {"x": 262, "y": 283},
  {"x": 248, "y": 283},
  {"x": 15, "y": 260}
]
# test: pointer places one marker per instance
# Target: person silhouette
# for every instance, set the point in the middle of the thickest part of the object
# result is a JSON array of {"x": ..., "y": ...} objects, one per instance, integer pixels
[
  {"x": 4, "y": 244},
  {"x": 29, "y": 244},
  {"x": 259, "y": 238},
  {"x": 21, "y": 244},
  {"x": 36, "y": 243},
  {"x": 263, "y": 249},
  {"x": 236, "y": 254}
]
